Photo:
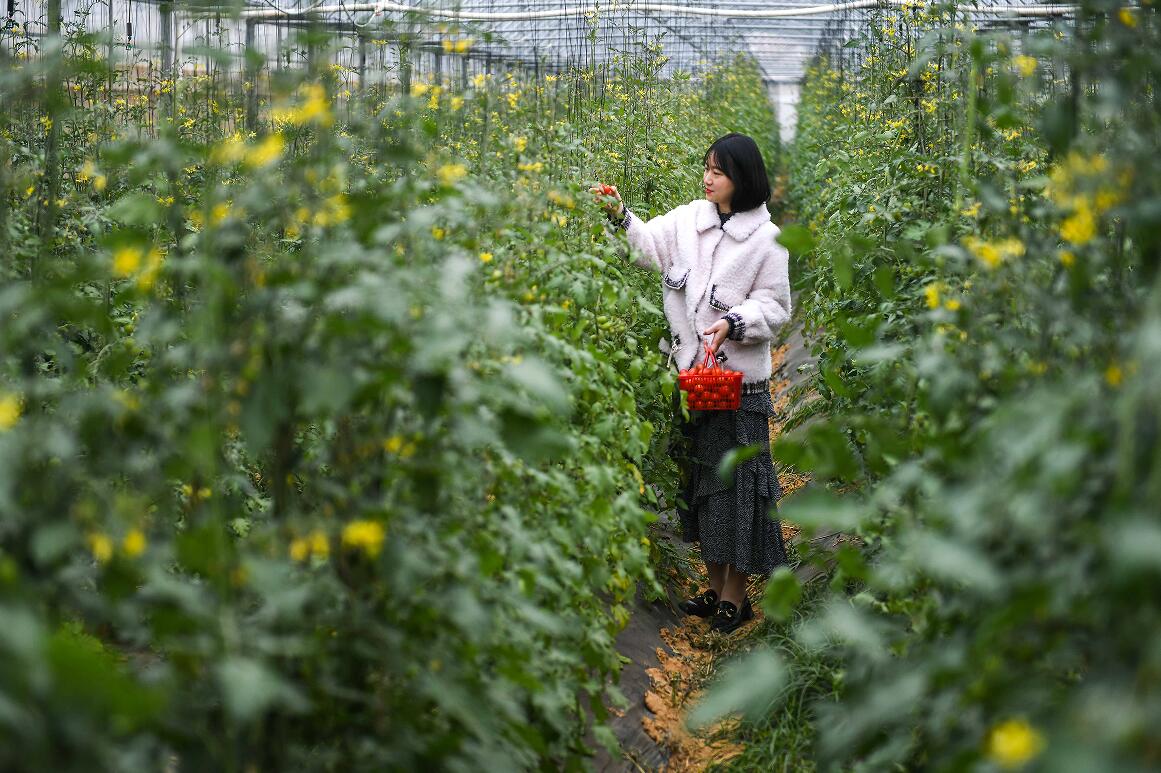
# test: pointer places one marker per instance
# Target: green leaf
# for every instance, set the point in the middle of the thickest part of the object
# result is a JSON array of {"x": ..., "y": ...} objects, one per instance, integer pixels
[
  {"x": 90, "y": 679},
  {"x": 858, "y": 333},
  {"x": 747, "y": 686},
  {"x": 953, "y": 561},
  {"x": 842, "y": 622},
  {"x": 782, "y": 594},
  {"x": 326, "y": 389},
  {"x": 816, "y": 509},
  {"x": 732, "y": 458},
  {"x": 136, "y": 209},
  {"x": 884, "y": 280},
  {"x": 250, "y": 688},
  {"x": 542, "y": 382},
  {"x": 608, "y": 739},
  {"x": 841, "y": 265},
  {"x": 531, "y": 438},
  {"x": 796, "y": 238}
]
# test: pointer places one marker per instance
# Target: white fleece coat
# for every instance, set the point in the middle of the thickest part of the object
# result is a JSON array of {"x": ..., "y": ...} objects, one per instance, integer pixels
[{"x": 710, "y": 272}]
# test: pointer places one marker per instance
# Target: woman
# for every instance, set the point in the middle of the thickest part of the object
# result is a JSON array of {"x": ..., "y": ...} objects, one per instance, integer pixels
[{"x": 723, "y": 274}]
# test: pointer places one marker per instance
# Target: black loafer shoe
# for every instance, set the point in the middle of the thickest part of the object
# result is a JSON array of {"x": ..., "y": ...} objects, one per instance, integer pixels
[
  {"x": 704, "y": 604},
  {"x": 729, "y": 618}
]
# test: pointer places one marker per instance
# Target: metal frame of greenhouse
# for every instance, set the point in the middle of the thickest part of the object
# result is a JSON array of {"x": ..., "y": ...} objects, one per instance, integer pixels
[{"x": 391, "y": 41}]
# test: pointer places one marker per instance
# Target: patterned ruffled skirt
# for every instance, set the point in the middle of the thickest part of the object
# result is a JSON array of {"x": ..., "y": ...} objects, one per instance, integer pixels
[{"x": 735, "y": 522}]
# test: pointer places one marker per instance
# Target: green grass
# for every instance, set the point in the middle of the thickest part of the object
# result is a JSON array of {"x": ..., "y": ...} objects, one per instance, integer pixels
[{"x": 783, "y": 739}]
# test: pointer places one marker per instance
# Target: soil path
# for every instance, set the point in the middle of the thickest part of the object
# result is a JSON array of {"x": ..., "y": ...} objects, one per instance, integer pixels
[{"x": 670, "y": 655}]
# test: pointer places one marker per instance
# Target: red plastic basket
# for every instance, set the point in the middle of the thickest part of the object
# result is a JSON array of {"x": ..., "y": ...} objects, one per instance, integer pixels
[{"x": 710, "y": 387}]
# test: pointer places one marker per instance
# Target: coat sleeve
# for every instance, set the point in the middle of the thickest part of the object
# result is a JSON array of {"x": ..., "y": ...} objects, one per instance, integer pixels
[
  {"x": 767, "y": 307},
  {"x": 654, "y": 242}
]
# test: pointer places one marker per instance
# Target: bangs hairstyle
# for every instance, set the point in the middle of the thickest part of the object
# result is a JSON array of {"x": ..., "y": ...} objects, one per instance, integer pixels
[{"x": 739, "y": 158}]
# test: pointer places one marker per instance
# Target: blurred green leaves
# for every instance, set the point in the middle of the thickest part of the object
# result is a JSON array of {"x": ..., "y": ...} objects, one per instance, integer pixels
[
  {"x": 988, "y": 394},
  {"x": 334, "y": 440}
]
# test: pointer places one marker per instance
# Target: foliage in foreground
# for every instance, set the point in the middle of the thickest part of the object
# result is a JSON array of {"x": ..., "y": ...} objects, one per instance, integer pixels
[
  {"x": 984, "y": 287},
  {"x": 326, "y": 446}
]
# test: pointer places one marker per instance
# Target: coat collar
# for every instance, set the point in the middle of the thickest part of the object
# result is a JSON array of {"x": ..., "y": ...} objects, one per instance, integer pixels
[{"x": 740, "y": 226}]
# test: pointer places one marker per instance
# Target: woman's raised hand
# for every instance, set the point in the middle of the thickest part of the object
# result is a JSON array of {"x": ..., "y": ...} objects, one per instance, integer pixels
[{"x": 609, "y": 198}]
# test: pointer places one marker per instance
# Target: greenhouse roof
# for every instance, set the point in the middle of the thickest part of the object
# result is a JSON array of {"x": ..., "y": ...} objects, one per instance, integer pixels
[
  {"x": 547, "y": 34},
  {"x": 781, "y": 35}
]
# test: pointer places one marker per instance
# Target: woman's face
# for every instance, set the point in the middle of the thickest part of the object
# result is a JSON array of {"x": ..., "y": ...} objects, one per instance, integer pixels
[{"x": 718, "y": 188}]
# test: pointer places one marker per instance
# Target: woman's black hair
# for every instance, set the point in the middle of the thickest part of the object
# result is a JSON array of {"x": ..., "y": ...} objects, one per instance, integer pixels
[{"x": 741, "y": 161}]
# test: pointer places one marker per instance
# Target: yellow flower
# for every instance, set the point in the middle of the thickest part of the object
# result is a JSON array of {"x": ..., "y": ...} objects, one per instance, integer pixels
[
  {"x": 1080, "y": 228},
  {"x": 230, "y": 150},
  {"x": 931, "y": 293},
  {"x": 10, "y": 408},
  {"x": 126, "y": 260},
  {"x": 513, "y": 99},
  {"x": 1106, "y": 199},
  {"x": 449, "y": 174},
  {"x": 127, "y": 399},
  {"x": 1014, "y": 743},
  {"x": 266, "y": 152},
  {"x": 972, "y": 211},
  {"x": 396, "y": 444},
  {"x": 1067, "y": 258},
  {"x": 86, "y": 172},
  {"x": 1127, "y": 17},
  {"x": 463, "y": 44},
  {"x": 300, "y": 549},
  {"x": 485, "y": 257},
  {"x": 991, "y": 254},
  {"x": 457, "y": 102},
  {"x": 520, "y": 143},
  {"x": 334, "y": 210},
  {"x": 319, "y": 544},
  {"x": 314, "y": 544},
  {"x": 1114, "y": 375},
  {"x": 535, "y": 166},
  {"x": 564, "y": 200},
  {"x": 367, "y": 536},
  {"x": 152, "y": 268},
  {"x": 438, "y": 233},
  {"x": 134, "y": 543},
  {"x": 100, "y": 546},
  {"x": 219, "y": 212},
  {"x": 1025, "y": 64},
  {"x": 952, "y": 304},
  {"x": 315, "y": 108}
]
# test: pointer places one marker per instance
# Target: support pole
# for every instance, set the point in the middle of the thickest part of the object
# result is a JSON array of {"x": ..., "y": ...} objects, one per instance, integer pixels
[
  {"x": 251, "y": 83},
  {"x": 165, "y": 12},
  {"x": 49, "y": 190},
  {"x": 362, "y": 64}
]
